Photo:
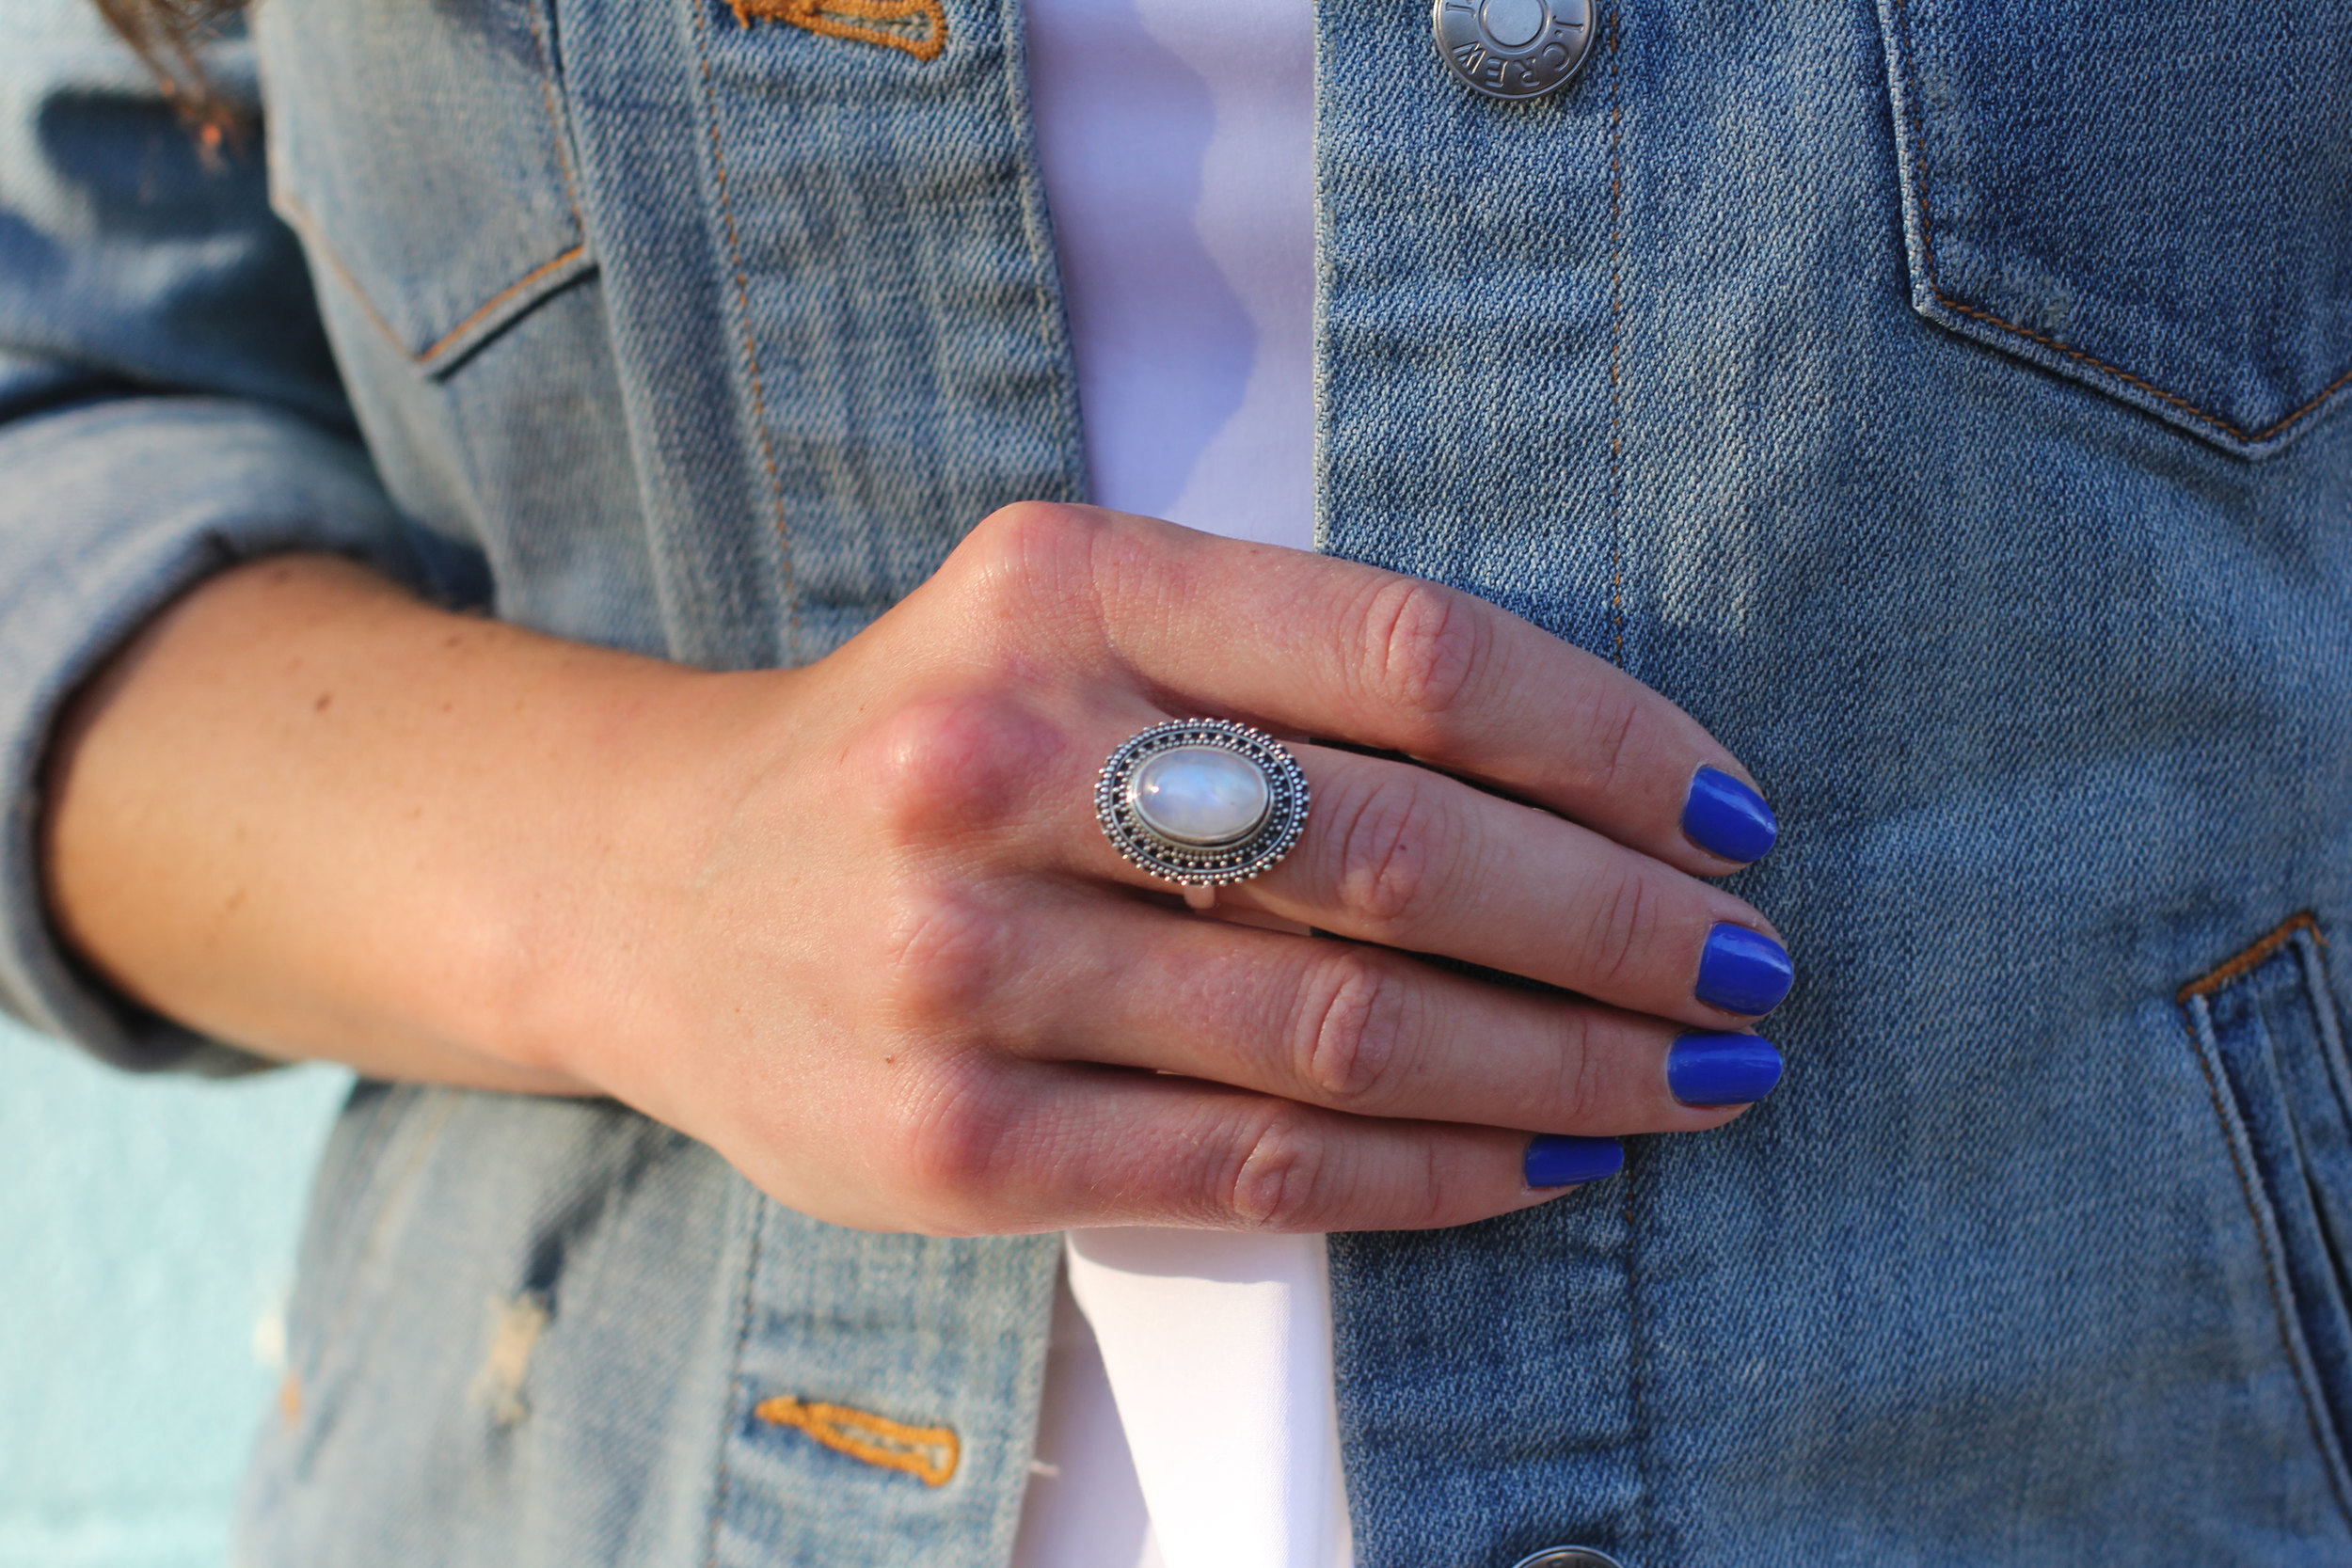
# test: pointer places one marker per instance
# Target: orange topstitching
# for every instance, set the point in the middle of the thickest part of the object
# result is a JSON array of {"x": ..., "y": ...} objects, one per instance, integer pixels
[
  {"x": 928, "y": 1453},
  {"x": 2206, "y": 985},
  {"x": 751, "y": 339},
  {"x": 889, "y": 23}
]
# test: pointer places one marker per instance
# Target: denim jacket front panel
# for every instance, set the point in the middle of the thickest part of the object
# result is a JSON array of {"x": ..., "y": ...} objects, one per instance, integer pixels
[{"x": 2051, "y": 683}]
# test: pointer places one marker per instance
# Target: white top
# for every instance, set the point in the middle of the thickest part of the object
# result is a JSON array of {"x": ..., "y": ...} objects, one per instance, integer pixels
[
  {"x": 1188, "y": 1419},
  {"x": 1177, "y": 143}
]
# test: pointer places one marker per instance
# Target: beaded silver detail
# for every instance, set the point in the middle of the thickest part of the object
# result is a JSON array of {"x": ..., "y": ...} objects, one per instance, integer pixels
[{"x": 1195, "y": 866}]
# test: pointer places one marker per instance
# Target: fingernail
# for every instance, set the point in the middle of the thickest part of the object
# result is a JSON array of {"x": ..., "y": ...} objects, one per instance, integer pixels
[
  {"x": 1725, "y": 817},
  {"x": 1555, "y": 1161},
  {"x": 1721, "y": 1070},
  {"x": 1743, "y": 971}
]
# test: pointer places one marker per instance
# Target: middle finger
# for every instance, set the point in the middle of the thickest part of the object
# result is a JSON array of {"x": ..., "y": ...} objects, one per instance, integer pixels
[{"x": 1411, "y": 859}]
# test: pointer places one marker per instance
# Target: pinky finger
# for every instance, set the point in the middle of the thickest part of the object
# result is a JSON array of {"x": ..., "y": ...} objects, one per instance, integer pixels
[{"x": 1055, "y": 1145}]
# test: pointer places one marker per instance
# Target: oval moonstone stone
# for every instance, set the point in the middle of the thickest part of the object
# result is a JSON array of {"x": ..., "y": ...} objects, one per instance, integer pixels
[{"x": 1200, "y": 795}]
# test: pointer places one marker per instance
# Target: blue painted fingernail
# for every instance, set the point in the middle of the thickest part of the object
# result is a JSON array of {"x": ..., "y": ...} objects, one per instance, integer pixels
[
  {"x": 1721, "y": 1070},
  {"x": 1725, "y": 817},
  {"x": 1555, "y": 1161},
  {"x": 1743, "y": 971}
]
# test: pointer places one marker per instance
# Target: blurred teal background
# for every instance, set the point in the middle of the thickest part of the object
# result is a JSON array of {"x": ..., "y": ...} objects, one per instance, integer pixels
[{"x": 147, "y": 1237}]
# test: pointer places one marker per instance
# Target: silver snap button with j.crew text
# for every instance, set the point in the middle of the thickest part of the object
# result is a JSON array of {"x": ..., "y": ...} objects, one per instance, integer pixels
[{"x": 1512, "y": 48}]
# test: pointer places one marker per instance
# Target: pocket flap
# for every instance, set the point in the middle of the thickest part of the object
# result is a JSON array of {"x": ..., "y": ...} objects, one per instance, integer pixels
[
  {"x": 2125, "y": 194},
  {"x": 417, "y": 150}
]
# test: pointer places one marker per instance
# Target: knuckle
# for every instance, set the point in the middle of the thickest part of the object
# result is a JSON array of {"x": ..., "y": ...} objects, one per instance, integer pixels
[
  {"x": 1424, "y": 646},
  {"x": 1036, "y": 555},
  {"x": 955, "y": 1142},
  {"x": 1621, "y": 930},
  {"x": 1612, "y": 726},
  {"x": 1578, "y": 1088},
  {"x": 1387, "y": 843},
  {"x": 950, "y": 764},
  {"x": 1031, "y": 533},
  {"x": 1275, "y": 1183},
  {"x": 1352, "y": 1025},
  {"x": 946, "y": 957}
]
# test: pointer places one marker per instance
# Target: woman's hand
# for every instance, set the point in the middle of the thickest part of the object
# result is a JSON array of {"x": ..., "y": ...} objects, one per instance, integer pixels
[{"x": 856, "y": 927}]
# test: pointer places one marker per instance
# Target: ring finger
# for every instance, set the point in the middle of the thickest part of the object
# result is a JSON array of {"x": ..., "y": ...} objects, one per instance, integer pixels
[{"x": 1360, "y": 1029}]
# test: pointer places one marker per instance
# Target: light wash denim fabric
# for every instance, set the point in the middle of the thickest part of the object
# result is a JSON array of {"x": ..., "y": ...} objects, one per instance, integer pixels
[{"x": 1944, "y": 402}]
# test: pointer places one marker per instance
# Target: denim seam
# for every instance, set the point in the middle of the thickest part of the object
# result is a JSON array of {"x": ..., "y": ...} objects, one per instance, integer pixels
[
  {"x": 312, "y": 230},
  {"x": 292, "y": 208},
  {"x": 2309, "y": 944},
  {"x": 1924, "y": 201},
  {"x": 751, "y": 346},
  {"x": 371, "y": 1249},
  {"x": 2195, "y": 1000},
  {"x": 738, "y": 1386},
  {"x": 1616, "y": 347},
  {"x": 2255, "y": 955},
  {"x": 555, "y": 115},
  {"x": 1644, "y": 1510},
  {"x": 1037, "y": 220}
]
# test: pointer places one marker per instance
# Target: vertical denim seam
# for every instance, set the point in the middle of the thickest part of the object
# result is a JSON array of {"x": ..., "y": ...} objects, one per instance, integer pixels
[
  {"x": 555, "y": 114},
  {"x": 2310, "y": 945},
  {"x": 1052, "y": 313},
  {"x": 2196, "y": 1005},
  {"x": 1616, "y": 347},
  {"x": 751, "y": 345},
  {"x": 1642, "y": 1521},
  {"x": 739, "y": 1392}
]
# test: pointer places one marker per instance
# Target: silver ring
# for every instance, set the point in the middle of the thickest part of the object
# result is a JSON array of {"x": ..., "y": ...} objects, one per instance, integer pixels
[{"x": 1172, "y": 802}]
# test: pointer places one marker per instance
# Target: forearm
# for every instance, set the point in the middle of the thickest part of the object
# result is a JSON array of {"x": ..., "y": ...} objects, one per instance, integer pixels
[
  {"x": 858, "y": 926},
  {"x": 307, "y": 815}
]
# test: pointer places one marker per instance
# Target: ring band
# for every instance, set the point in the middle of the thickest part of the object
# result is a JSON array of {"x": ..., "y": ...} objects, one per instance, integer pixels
[{"x": 1201, "y": 803}]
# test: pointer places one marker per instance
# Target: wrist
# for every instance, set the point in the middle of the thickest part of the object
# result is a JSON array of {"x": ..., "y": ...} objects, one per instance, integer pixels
[{"x": 637, "y": 768}]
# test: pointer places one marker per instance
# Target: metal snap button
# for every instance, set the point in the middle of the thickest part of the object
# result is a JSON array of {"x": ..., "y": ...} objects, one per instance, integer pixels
[
  {"x": 1568, "y": 1557},
  {"x": 1512, "y": 48}
]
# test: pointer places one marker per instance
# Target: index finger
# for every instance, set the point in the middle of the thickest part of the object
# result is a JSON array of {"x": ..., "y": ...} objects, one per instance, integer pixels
[{"x": 1311, "y": 645}]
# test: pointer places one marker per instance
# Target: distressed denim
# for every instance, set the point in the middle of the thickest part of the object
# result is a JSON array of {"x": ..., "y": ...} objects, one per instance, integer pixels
[{"x": 1943, "y": 402}]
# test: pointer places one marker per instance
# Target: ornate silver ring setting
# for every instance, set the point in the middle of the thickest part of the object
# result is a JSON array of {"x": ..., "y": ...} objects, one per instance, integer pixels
[{"x": 1201, "y": 803}]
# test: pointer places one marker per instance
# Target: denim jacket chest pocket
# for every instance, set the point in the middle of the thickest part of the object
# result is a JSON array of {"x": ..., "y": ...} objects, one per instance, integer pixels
[
  {"x": 419, "y": 150},
  {"x": 2137, "y": 195}
]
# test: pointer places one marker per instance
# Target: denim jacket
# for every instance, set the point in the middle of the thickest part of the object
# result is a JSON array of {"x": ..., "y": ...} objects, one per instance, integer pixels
[{"x": 1944, "y": 401}]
